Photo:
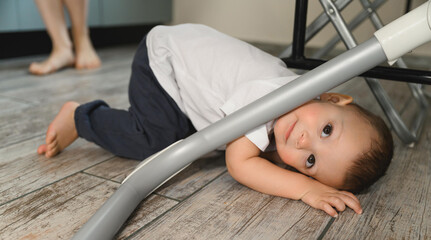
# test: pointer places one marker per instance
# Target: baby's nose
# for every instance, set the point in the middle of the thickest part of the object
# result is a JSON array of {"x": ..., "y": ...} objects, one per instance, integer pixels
[{"x": 303, "y": 140}]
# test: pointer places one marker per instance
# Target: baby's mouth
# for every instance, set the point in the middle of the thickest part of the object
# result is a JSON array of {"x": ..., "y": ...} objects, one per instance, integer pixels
[{"x": 289, "y": 131}]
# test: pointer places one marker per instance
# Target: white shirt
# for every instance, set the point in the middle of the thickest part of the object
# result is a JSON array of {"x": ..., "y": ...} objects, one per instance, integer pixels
[{"x": 210, "y": 75}]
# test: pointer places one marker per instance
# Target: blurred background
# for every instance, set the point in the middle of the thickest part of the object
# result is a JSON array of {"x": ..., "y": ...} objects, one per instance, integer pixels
[{"x": 114, "y": 22}]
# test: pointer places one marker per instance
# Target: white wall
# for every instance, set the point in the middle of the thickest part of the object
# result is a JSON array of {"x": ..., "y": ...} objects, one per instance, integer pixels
[{"x": 271, "y": 21}]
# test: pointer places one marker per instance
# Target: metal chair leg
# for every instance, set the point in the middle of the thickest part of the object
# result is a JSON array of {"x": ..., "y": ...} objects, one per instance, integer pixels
[
  {"x": 406, "y": 135},
  {"x": 315, "y": 26},
  {"x": 351, "y": 26}
]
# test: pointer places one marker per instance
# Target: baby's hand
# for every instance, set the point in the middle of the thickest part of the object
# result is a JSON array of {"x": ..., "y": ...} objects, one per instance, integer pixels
[{"x": 325, "y": 198}]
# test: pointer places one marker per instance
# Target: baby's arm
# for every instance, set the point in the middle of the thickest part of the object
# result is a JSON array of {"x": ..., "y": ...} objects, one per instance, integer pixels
[{"x": 248, "y": 168}]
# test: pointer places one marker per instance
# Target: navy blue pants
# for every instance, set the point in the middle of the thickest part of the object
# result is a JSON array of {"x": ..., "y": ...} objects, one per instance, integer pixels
[{"x": 152, "y": 122}]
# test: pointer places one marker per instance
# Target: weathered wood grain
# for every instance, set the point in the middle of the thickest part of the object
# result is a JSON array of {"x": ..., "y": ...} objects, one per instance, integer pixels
[
  {"x": 7, "y": 104},
  {"x": 55, "y": 211},
  {"x": 72, "y": 86},
  {"x": 194, "y": 177},
  {"x": 25, "y": 122},
  {"x": 150, "y": 209},
  {"x": 22, "y": 170},
  {"x": 14, "y": 68},
  {"x": 284, "y": 219},
  {"x": 115, "y": 169},
  {"x": 59, "y": 210},
  {"x": 225, "y": 209},
  {"x": 188, "y": 181}
]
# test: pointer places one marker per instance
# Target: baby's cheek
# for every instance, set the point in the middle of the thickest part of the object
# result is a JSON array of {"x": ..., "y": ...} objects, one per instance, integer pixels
[
  {"x": 287, "y": 157},
  {"x": 311, "y": 116}
]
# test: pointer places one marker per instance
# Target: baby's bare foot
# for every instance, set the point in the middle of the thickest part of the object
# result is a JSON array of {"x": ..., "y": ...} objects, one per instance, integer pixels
[
  {"x": 61, "y": 132},
  {"x": 57, "y": 60},
  {"x": 86, "y": 56}
]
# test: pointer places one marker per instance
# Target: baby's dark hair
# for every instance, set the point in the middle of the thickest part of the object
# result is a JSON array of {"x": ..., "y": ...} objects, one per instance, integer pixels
[{"x": 370, "y": 165}]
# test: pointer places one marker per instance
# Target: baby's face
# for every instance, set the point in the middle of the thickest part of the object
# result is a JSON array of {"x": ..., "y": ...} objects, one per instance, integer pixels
[{"x": 321, "y": 139}]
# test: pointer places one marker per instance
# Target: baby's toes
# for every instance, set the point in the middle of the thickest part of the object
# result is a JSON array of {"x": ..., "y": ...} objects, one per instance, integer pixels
[{"x": 41, "y": 149}]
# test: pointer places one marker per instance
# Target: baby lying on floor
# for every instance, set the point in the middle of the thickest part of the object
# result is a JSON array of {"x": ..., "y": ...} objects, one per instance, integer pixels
[{"x": 189, "y": 76}]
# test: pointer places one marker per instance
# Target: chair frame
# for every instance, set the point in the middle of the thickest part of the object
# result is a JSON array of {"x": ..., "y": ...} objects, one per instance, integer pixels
[{"x": 414, "y": 78}]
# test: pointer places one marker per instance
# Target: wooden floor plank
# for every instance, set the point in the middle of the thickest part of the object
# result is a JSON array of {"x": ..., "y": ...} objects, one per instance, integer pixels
[
  {"x": 25, "y": 122},
  {"x": 154, "y": 207},
  {"x": 194, "y": 177},
  {"x": 188, "y": 181},
  {"x": 14, "y": 68},
  {"x": 72, "y": 86},
  {"x": 54, "y": 211},
  {"x": 275, "y": 221},
  {"x": 226, "y": 209},
  {"x": 59, "y": 210},
  {"x": 23, "y": 170},
  {"x": 115, "y": 169},
  {"x": 7, "y": 105}
]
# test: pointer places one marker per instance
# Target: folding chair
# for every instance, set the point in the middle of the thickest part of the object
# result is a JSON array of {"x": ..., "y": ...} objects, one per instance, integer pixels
[{"x": 332, "y": 13}]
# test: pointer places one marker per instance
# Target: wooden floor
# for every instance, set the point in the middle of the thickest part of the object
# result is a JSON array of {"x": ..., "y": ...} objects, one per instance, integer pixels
[{"x": 52, "y": 198}]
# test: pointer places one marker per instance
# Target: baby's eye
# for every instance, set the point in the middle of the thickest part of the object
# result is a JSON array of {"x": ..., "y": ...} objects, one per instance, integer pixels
[
  {"x": 310, "y": 161},
  {"x": 327, "y": 130}
]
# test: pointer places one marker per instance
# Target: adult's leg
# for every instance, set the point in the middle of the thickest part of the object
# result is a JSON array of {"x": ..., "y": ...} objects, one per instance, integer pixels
[
  {"x": 86, "y": 56},
  {"x": 61, "y": 53}
]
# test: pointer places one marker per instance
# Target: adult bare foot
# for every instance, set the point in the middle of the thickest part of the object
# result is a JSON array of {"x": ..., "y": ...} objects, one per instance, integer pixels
[
  {"x": 86, "y": 56},
  {"x": 57, "y": 60},
  {"x": 61, "y": 132}
]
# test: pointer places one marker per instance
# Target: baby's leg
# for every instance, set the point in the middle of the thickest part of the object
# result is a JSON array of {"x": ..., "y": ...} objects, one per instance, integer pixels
[
  {"x": 117, "y": 131},
  {"x": 61, "y": 132},
  {"x": 129, "y": 133}
]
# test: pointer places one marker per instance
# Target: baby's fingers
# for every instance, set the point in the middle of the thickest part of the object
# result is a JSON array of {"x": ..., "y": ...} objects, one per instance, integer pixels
[
  {"x": 337, "y": 202},
  {"x": 329, "y": 209},
  {"x": 353, "y": 203},
  {"x": 351, "y": 195}
]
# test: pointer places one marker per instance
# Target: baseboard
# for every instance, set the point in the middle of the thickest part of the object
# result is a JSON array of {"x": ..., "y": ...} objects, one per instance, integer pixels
[{"x": 19, "y": 44}]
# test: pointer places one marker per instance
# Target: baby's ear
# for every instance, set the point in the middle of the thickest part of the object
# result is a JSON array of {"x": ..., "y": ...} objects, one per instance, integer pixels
[{"x": 337, "y": 98}]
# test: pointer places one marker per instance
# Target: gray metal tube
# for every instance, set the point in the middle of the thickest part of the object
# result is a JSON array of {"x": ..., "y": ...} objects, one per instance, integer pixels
[
  {"x": 368, "y": 11},
  {"x": 110, "y": 217}
]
